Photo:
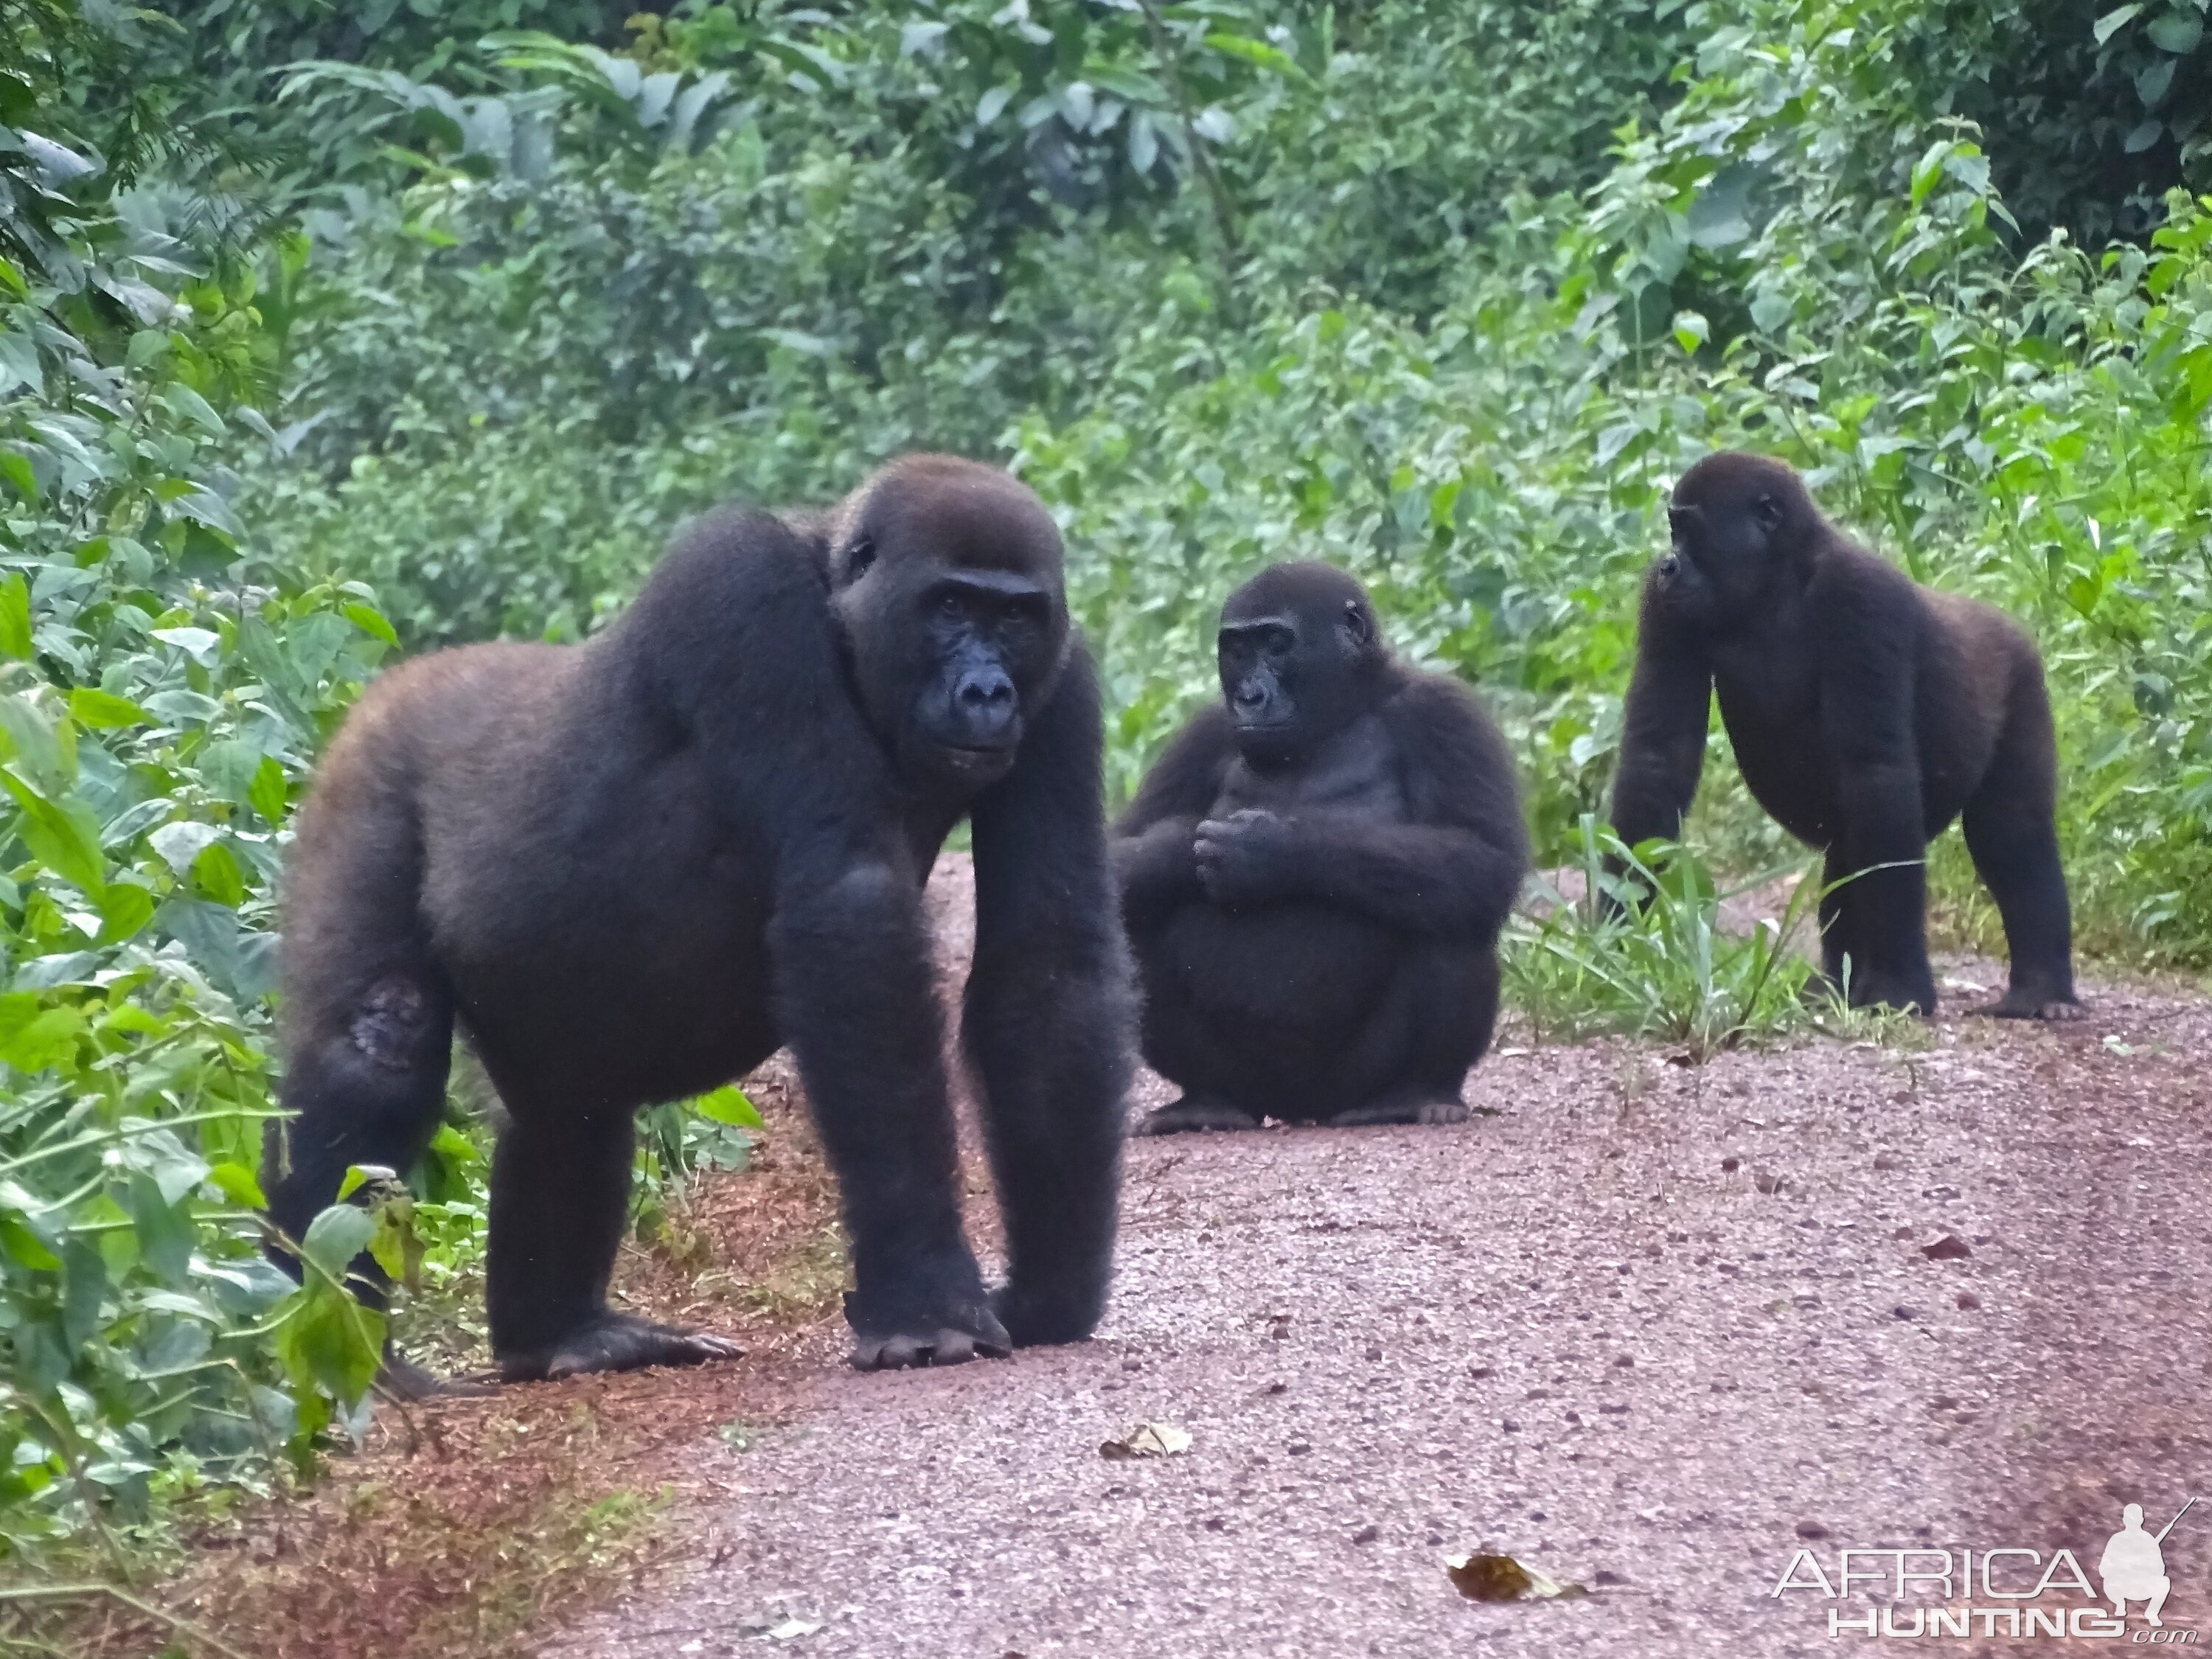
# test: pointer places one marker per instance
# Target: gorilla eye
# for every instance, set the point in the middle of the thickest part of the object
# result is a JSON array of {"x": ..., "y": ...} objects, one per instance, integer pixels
[
  {"x": 1770, "y": 511},
  {"x": 1355, "y": 621},
  {"x": 857, "y": 557},
  {"x": 949, "y": 603}
]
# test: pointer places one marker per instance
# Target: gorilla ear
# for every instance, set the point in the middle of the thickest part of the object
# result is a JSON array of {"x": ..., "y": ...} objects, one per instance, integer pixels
[
  {"x": 1356, "y": 623},
  {"x": 1769, "y": 512}
]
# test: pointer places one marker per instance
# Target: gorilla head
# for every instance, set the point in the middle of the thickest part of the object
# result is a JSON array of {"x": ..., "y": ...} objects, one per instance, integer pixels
[
  {"x": 946, "y": 583},
  {"x": 1736, "y": 521},
  {"x": 1301, "y": 658}
]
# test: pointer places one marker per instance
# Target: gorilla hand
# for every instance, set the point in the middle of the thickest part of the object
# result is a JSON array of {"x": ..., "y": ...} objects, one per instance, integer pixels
[{"x": 1244, "y": 858}]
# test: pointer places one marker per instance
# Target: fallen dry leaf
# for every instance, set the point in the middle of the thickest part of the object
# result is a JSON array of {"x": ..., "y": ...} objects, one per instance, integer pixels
[
  {"x": 1147, "y": 1440},
  {"x": 1502, "y": 1578},
  {"x": 1945, "y": 1247}
]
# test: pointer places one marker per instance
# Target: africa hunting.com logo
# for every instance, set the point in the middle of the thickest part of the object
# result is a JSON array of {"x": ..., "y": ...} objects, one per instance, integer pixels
[{"x": 1988, "y": 1593}]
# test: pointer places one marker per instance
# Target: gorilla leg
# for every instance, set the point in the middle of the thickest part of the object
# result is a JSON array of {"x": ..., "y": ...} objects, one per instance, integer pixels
[
  {"x": 1843, "y": 957},
  {"x": 1184, "y": 1042},
  {"x": 2012, "y": 832},
  {"x": 367, "y": 1080},
  {"x": 560, "y": 1197},
  {"x": 367, "y": 1023},
  {"x": 1410, "y": 1062}
]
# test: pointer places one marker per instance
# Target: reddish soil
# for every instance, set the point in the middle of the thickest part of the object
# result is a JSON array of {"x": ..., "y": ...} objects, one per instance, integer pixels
[{"x": 1652, "y": 1328}]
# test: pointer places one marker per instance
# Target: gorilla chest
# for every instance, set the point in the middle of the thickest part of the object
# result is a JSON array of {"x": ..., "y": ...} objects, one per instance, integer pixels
[
  {"x": 1352, "y": 772},
  {"x": 1770, "y": 698}
]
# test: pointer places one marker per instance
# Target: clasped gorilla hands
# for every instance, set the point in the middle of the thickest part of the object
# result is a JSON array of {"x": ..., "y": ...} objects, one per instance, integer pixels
[
  {"x": 1314, "y": 874},
  {"x": 1866, "y": 712},
  {"x": 631, "y": 869}
]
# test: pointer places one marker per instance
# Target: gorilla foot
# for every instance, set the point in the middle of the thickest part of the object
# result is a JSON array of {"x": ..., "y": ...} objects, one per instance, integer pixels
[
  {"x": 1194, "y": 1114},
  {"x": 950, "y": 1336},
  {"x": 611, "y": 1341},
  {"x": 1044, "y": 1320},
  {"x": 401, "y": 1378},
  {"x": 1403, "y": 1108},
  {"x": 2028, "y": 1002}
]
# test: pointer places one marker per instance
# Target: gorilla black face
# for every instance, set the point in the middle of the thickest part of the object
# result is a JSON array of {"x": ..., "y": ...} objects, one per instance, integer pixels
[
  {"x": 1734, "y": 519},
  {"x": 1300, "y": 657},
  {"x": 947, "y": 578}
]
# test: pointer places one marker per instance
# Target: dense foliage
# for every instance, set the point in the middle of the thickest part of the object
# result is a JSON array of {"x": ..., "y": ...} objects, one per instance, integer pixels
[{"x": 447, "y": 312}]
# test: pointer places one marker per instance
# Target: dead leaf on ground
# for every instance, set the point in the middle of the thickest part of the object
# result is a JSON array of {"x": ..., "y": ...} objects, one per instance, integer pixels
[
  {"x": 1945, "y": 1247},
  {"x": 1147, "y": 1440},
  {"x": 1502, "y": 1578}
]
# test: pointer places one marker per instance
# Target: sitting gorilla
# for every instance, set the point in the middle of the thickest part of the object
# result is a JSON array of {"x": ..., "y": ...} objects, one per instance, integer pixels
[
  {"x": 1314, "y": 874},
  {"x": 631, "y": 869}
]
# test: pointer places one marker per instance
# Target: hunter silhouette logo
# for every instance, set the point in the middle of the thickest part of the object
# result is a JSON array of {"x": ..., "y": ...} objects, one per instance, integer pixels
[
  {"x": 2133, "y": 1565},
  {"x": 2005, "y": 1591}
]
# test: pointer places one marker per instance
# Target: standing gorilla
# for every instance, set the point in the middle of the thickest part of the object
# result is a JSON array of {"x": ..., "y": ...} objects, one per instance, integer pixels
[
  {"x": 1314, "y": 874},
  {"x": 632, "y": 868},
  {"x": 1866, "y": 712}
]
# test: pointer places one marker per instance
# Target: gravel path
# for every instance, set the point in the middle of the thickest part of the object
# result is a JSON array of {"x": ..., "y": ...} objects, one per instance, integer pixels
[{"x": 1651, "y": 1329}]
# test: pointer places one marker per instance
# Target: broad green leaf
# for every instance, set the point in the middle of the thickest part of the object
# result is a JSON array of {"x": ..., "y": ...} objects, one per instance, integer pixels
[
  {"x": 126, "y": 907},
  {"x": 370, "y": 621},
  {"x": 336, "y": 1237},
  {"x": 181, "y": 843},
  {"x": 216, "y": 873},
  {"x": 14, "y": 611},
  {"x": 2114, "y": 20},
  {"x": 327, "y": 1340},
  {"x": 238, "y": 1184},
  {"x": 63, "y": 838},
  {"x": 268, "y": 790},
  {"x": 103, "y": 711},
  {"x": 728, "y": 1104}
]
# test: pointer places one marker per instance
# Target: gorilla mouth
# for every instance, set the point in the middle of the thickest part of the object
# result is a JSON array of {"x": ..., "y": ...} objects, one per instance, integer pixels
[{"x": 968, "y": 757}]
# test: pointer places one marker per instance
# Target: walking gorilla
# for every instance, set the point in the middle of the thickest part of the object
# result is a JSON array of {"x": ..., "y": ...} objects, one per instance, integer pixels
[
  {"x": 1314, "y": 874},
  {"x": 1866, "y": 712},
  {"x": 630, "y": 869}
]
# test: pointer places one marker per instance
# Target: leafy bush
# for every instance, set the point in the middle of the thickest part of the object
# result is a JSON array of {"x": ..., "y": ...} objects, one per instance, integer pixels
[{"x": 162, "y": 692}]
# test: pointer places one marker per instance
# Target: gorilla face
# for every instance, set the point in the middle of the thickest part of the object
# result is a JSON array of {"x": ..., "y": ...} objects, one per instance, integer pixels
[
  {"x": 1298, "y": 655},
  {"x": 1731, "y": 522},
  {"x": 947, "y": 579}
]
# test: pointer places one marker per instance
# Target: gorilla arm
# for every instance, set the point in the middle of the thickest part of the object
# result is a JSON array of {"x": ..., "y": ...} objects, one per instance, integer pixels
[
  {"x": 1151, "y": 848},
  {"x": 1663, "y": 740},
  {"x": 1048, "y": 1003},
  {"x": 1453, "y": 872}
]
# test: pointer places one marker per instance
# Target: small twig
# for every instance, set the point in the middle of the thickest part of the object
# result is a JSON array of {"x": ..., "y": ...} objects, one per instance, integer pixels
[
  {"x": 1225, "y": 212},
  {"x": 136, "y": 1603}
]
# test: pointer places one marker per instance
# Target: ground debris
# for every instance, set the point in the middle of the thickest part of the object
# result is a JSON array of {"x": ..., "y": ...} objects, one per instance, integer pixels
[
  {"x": 1146, "y": 1440},
  {"x": 1501, "y": 1578},
  {"x": 1947, "y": 1246}
]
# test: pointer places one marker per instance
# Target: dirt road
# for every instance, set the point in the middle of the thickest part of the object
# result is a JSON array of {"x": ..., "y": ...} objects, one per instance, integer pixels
[{"x": 1651, "y": 1329}]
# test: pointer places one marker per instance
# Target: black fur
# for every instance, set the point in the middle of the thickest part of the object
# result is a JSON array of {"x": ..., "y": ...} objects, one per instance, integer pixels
[
  {"x": 1866, "y": 712},
  {"x": 1314, "y": 874},
  {"x": 631, "y": 869}
]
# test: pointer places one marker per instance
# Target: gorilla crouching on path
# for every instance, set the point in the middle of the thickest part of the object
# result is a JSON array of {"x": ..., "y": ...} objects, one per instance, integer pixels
[
  {"x": 631, "y": 869},
  {"x": 1314, "y": 874},
  {"x": 1866, "y": 712}
]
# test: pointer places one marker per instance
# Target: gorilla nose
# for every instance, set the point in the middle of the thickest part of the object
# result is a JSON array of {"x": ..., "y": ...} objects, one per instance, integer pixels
[
  {"x": 987, "y": 703},
  {"x": 1250, "y": 696}
]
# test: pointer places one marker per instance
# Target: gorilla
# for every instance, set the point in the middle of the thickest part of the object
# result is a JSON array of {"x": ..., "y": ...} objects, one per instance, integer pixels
[
  {"x": 1866, "y": 712},
  {"x": 1314, "y": 875},
  {"x": 631, "y": 869}
]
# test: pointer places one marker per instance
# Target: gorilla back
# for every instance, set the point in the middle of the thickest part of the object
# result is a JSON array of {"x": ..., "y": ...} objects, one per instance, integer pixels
[{"x": 632, "y": 868}]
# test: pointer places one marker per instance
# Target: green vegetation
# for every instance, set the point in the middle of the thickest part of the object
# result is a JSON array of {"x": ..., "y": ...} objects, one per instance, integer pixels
[{"x": 324, "y": 331}]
